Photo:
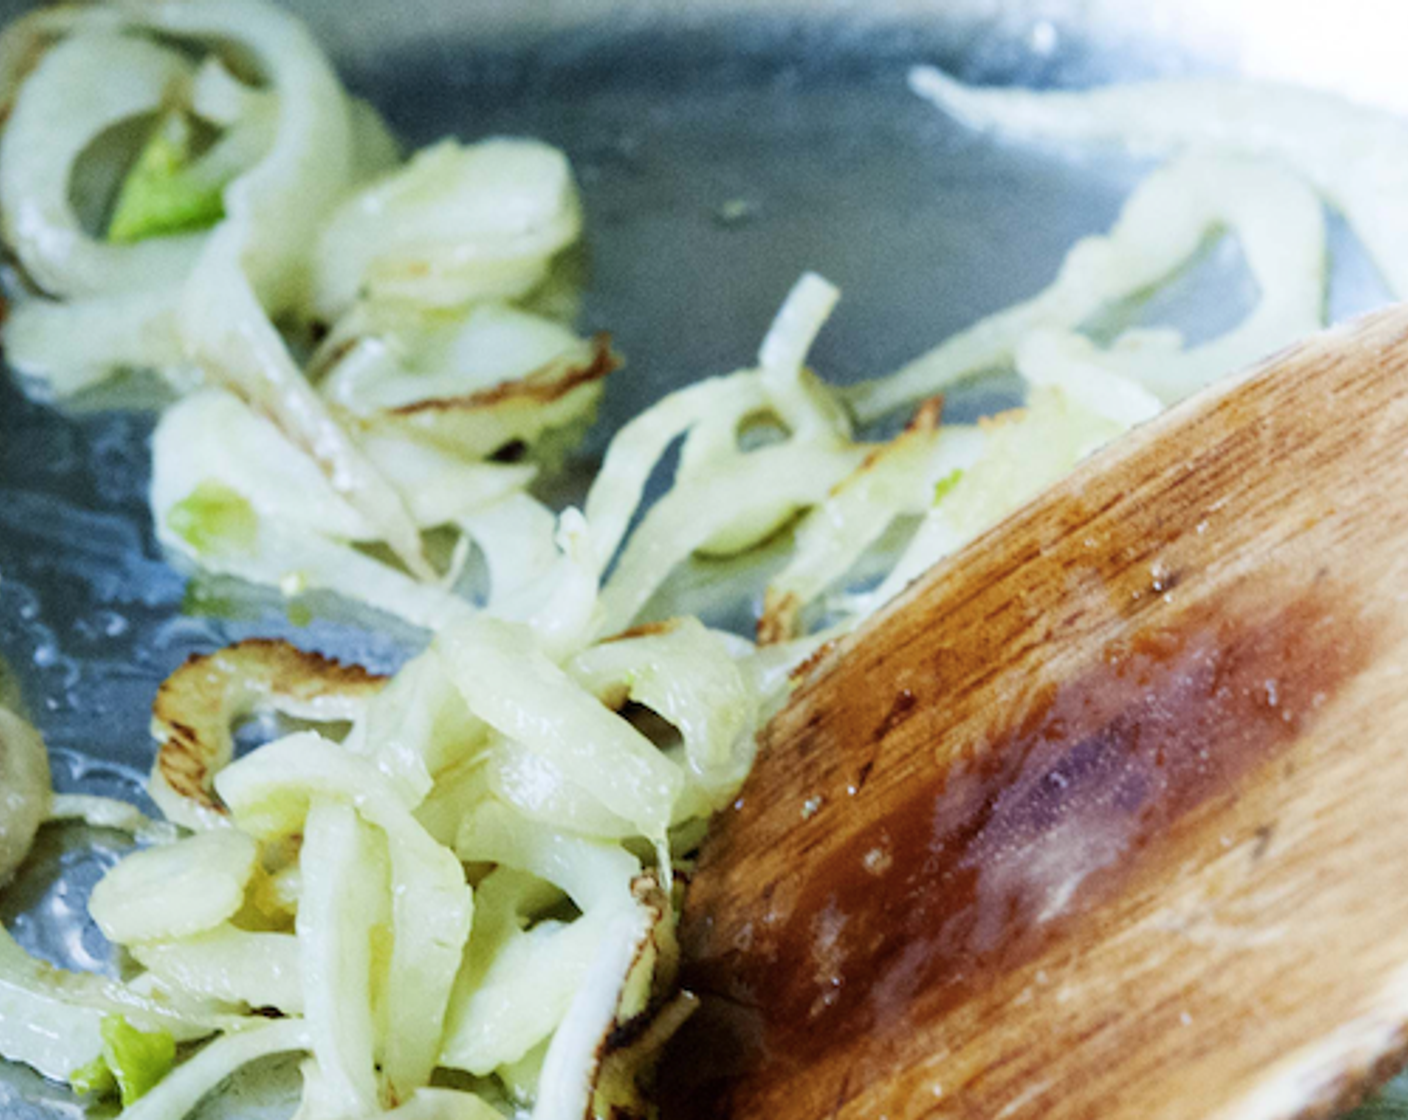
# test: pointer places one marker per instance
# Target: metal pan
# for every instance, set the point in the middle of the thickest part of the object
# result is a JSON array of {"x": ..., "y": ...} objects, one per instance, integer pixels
[{"x": 722, "y": 148}]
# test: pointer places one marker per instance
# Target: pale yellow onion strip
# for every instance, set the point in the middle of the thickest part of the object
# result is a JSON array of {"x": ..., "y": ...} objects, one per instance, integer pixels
[
  {"x": 247, "y": 115},
  {"x": 268, "y": 792},
  {"x": 229, "y": 336},
  {"x": 643, "y": 1012},
  {"x": 110, "y": 813},
  {"x": 686, "y": 675},
  {"x": 833, "y": 540},
  {"x": 441, "y": 488},
  {"x": 713, "y": 439},
  {"x": 456, "y": 793},
  {"x": 274, "y": 211},
  {"x": 796, "y": 398},
  {"x": 82, "y": 87},
  {"x": 1356, "y": 156},
  {"x": 1088, "y": 375},
  {"x": 521, "y": 196},
  {"x": 802, "y": 404},
  {"x": 520, "y": 1079},
  {"x": 252, "y": 264},
  {"x": 1022, "y": 454},
  {"x": 573, "y": 1059},
  {"x": 532, "y": 403},
  {"x": 175, "y": 890},
  {"x": 346, "y": 896},
  {"x": 508, "y": 682},
  {"x": 536, "y": 789},
  {"x": 560, "y": 607},
  {"x": 1281, "y": 227},
  {"x": 895, "y": 479},
  {"x": 788, "y": 474},
  {"x": 197, "y": 707},
  {"x": 505, "y": 899},
  {"x": 38, "y": 1026},
  {"x": 25, "y": 39},
  {"x": 593, "y": 873},
  {"x": 297, "y": 562},
  {"x": 516, "y": 537},
  {"x": 229, "y": 964},
  {"x": 380, "y": 358},
  {"x": 212, "y": 436},
  {"x": 221, "y": 98},
  {"x": 515, "y": 985},
  {"x": 444, "y": 1104},
  {"x": 73, "y": 345},
  {"x": 25, "y": 788},
  {"x": 469, "y": 277},
  {"x": 522, "y": 995},
  {"x": 178, "y": 1093},
  {"x": 242, "y": 146},
  {"x": 456, "y": 224},
  {"x": 1162, "y": 225},
  {"x": 51, "y": 1018},
  {"x": 636, "y": 449},
  {"x": 416, "y": 727},
  {"x": 935, "y": 538}
]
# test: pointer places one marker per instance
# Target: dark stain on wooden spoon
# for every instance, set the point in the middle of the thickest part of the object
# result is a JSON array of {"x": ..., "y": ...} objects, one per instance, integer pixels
[{"x": 1012, "y": 842}]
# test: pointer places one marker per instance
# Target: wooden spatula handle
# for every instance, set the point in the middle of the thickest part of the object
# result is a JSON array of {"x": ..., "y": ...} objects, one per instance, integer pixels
[{"x": 1108, "y": 815}]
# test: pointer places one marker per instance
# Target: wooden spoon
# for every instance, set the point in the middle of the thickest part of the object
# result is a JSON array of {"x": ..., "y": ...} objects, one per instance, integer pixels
[{"x": 1107, "y": 816}]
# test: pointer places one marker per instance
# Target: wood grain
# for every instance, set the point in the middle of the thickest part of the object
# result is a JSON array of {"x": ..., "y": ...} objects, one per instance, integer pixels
[{"x": 1108, "y": 815}]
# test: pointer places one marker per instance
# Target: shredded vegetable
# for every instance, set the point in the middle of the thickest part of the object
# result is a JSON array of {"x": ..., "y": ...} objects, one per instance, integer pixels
[
  {"x": 187, "y": 887},
  {"x": 196, "y": 708},
  {"x": 1278, "y": 221},
  {"x": 24, "y": 789},
  {"x": 455, "y": 225},
  {"x": 454, "y": 898},
  {"x": 1354, "y": 156},
  {"x": 132, "y": 1060},
  {"x": 160, "y": 196}
]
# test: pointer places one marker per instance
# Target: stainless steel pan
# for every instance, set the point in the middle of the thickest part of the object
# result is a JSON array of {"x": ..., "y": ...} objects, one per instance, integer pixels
[{"x": 723, "y": 146}]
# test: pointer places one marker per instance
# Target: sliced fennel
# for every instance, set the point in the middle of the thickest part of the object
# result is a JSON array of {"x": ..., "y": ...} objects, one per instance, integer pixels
[
  {"x": 456, "y": 224},
  {"x": 159, "y": 196},
  {"x": 1278, "y": 221},
  {"x": 516, "y": 984},
  {"x": 593, "y": 873},
  {"x": 235, "y": 966},
  {"x": 81, "y": 87},
  {"x": 131, "y": 1061},
  {"x": 514, "y": 688},
  {"x": 175, "y": 890},
  {"x": 346, "y": 898},
  {"x": 177, "y": 1095},
  {"x": 24, "y": 780},
  {"x": 52, "y": 1019},
  {"x": 1355, "y": 156},
  {"x": 270, "y": 792},
  {"x": 687, "y": 675},
  {"x": 469, "y": 879}
]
